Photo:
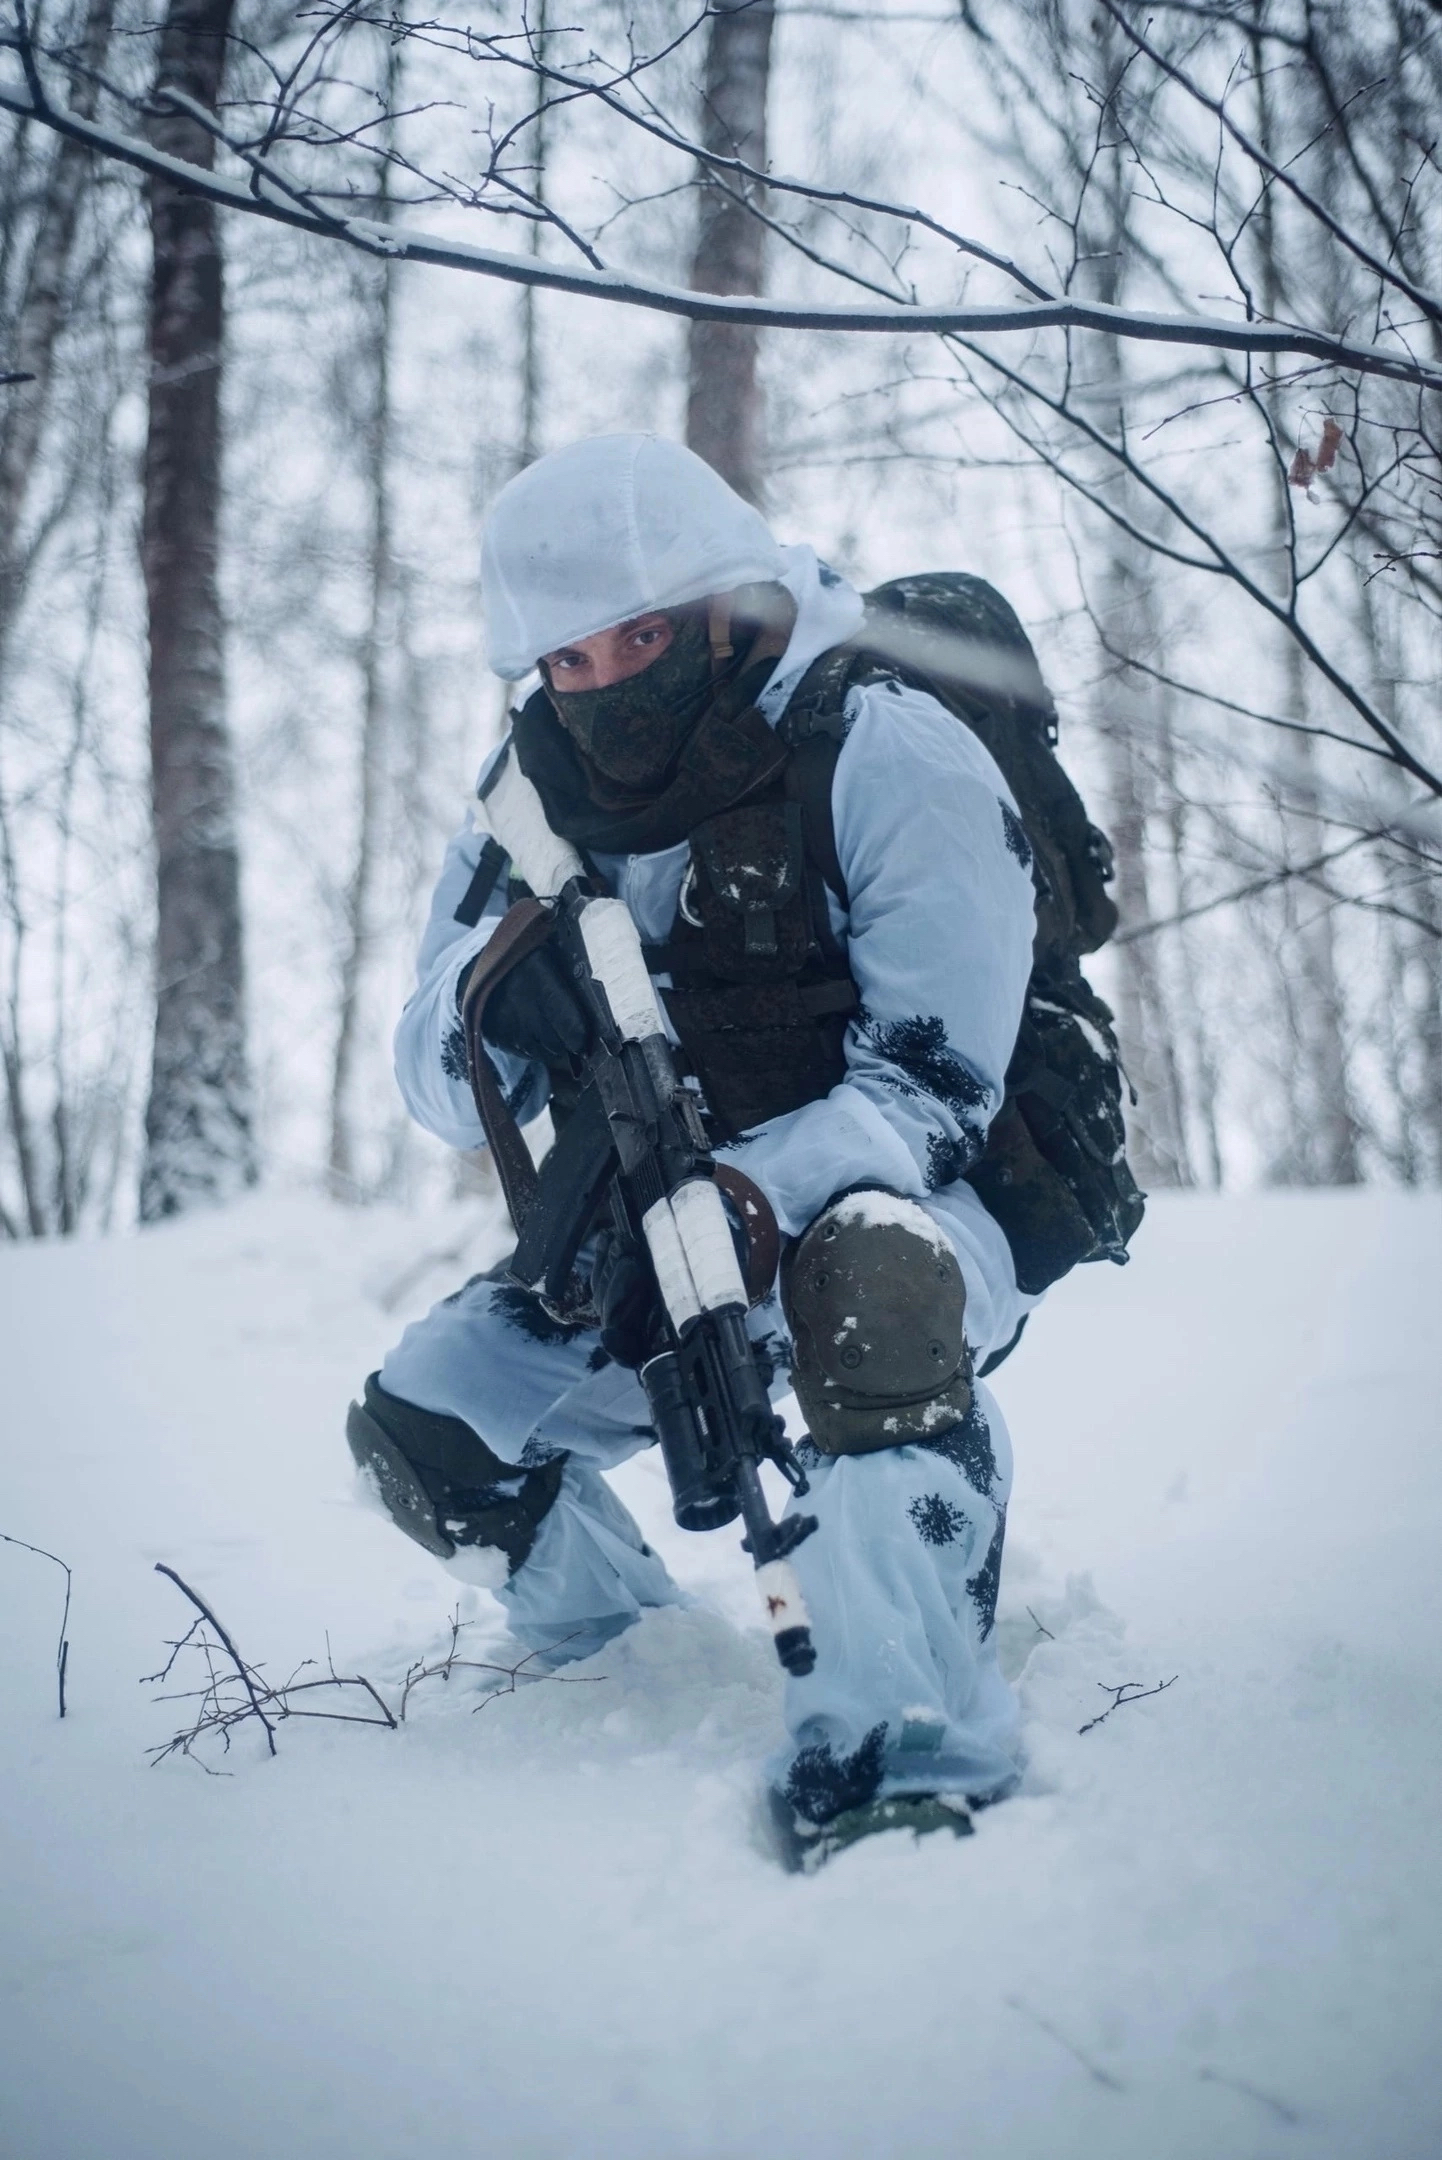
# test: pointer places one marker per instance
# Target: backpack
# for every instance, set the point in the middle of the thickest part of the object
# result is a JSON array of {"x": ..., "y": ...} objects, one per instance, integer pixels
[{"x": 1053, "y": 1172}]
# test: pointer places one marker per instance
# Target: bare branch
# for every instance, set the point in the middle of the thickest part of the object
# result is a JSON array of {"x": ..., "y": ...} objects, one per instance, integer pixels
[
  {"x": 62, "y": 1651},
  {"x": 1429, "y": 303},
  {"x": 273, "y": 196},
  {"x": 1130, "y": 1691},
  {"x": 1249, "y": 891},
  {"x": 235, "y": 1657}
]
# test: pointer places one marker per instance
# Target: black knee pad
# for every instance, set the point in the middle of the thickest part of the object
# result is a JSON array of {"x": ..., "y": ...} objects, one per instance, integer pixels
[
  {"x": 877, "y": 1306},
  {"x": 441, "y": 1484}
]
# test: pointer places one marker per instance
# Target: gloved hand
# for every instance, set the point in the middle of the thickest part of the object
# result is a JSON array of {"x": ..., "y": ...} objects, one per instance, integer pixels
[
  {"x": 623, "y": 1293},
  {"x": 534, "y": 1012},
  {"x": 621, "y": 1289}
]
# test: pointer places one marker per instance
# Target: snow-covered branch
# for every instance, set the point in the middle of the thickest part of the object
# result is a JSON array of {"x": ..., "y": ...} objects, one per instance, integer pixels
[{"x": 270, "y": 193}]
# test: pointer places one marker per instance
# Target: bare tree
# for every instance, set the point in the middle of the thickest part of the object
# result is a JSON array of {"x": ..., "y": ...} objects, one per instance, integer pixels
[
  {"x": 1236, "y": 467},
  {"x": 40, "y": 307},
  {"x": 1130, "y": 718},
  {"x": 1321, "y": 1135},
  {"x": 723, "y": 404},
  {"x": 530, "y": 443},
  {"x": 199, "y": 1144},
  {"x": 299, "y": 114},
  {"x": 65, "y": 917},
  {"x": 1254, "y": 137},
  {"x": 377, "y": 638}
]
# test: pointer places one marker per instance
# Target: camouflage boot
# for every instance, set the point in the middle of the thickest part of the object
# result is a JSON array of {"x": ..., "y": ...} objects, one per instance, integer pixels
[{"x": 804, "y": 1846}]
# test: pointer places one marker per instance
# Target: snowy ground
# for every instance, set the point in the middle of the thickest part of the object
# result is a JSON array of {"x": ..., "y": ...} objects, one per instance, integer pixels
[{"x": 1209, "y": 1927}]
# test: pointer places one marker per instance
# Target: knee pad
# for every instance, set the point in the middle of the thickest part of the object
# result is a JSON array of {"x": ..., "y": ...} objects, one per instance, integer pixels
[
  {"x": 442, "y": 1485},
  {"x": 876, "y": 1304}
]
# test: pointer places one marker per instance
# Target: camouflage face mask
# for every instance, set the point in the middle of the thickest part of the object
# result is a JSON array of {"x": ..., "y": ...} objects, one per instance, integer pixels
[{"x": 634, "y": 731}]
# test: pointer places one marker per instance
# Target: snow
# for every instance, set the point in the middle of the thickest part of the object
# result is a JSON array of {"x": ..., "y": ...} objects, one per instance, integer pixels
[
  {"x": 1207, "y": 1927},
  {"x": 871, "y": 1206}
]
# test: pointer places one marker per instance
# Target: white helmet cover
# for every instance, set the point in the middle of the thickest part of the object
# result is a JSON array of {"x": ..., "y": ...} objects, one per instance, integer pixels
[{"x": 605, "y": 529}]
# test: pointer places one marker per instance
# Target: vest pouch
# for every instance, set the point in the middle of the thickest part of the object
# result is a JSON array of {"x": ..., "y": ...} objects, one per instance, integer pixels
[
  {"x": 760, "y": 1049},
  {"x": 747, "y": 898},
  {"x": 1044, "y": 1225},
  {"x": 1054, "y": 1171}
]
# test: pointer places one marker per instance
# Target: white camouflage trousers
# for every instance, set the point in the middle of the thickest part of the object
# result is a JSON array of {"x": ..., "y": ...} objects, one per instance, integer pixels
[{"x": 900, "y": 1577}]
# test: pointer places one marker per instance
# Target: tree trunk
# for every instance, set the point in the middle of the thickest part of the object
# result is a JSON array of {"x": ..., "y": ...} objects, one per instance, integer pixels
[
  {"x": 199, "y": 1144},
  {"x": 723, "y": 408},
  {"x": 1198, "y": 1082},
  {"x": 1322, "y": 1147},
  {"x": 531, "y": 385},
  {"x": 1133, "y": 730},
  {"x": 1146, "y": 1025},
  {"x": 377, "y": 638},
  {"x": 1322, "y": 1143},
  {"x": 39, "y": 321}
]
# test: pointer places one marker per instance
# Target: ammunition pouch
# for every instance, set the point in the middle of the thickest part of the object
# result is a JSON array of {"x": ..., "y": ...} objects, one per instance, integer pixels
[{"x": 760, "y": 991}]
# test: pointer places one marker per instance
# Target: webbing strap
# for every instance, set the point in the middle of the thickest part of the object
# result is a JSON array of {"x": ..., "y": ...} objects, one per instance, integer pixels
[
  {"x": 809, "y": 773},
  {"x": 483, "y": 883}
]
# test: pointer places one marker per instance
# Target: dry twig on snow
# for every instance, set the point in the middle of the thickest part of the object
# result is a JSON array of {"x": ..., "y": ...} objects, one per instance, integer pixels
[
  {"x": 508, "y": 1676},
  {"x": 62, "y": 1652},
  {"x": 1130, "y": 1691},
  {"x": 234, "y": 1691}
]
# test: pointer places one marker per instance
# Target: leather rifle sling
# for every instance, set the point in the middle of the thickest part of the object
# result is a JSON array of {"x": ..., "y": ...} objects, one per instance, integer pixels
[
  {"x": 522, "y": 928},
  {"x": 763, "y": 1232}
]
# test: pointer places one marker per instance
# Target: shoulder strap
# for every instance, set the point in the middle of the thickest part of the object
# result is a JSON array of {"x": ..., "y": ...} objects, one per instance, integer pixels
[
  {"x": 810, "y": 770},
  {"x": 483, "y": 883},
  {"x": 813, "y": 727}
]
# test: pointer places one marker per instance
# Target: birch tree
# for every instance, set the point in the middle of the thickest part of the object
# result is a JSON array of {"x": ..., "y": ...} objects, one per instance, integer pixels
[
  {"x": 199, "y": 1144},
  {"x": 377, "y": 640}
]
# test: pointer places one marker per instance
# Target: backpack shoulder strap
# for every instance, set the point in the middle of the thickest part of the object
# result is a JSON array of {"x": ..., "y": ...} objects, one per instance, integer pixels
[
  {"x": 813, "y": 727},
  {"x": 809, "y": 773}
]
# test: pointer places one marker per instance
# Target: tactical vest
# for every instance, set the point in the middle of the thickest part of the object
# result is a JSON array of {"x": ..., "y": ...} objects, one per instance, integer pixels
[{"x": 760, "y": 990}]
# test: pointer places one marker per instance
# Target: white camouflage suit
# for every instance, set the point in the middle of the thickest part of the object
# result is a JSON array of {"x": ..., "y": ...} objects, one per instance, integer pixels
[{"x": 901, "y": 1576}]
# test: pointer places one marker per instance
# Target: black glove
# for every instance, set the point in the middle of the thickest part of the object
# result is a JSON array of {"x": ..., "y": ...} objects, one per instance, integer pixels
[
  {"x": 623, "y": 1293},
  {"x": 534, "y": 1012},
  {"x": 624, "y": 1296}
]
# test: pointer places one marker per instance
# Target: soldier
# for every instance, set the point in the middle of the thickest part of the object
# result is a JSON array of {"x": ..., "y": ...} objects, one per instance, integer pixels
[{"x": 842, "y": 944}]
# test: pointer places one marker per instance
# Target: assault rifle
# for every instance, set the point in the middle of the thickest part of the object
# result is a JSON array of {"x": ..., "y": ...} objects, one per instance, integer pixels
[{"x": 635, "y": 1145}]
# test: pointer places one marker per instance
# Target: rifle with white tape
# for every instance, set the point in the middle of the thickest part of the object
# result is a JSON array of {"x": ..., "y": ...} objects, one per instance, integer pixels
[{"x": 635, "y": 1141}]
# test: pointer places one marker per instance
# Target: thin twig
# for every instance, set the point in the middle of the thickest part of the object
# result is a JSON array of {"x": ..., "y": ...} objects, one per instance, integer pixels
[
  {"x": 445, "y": 1666},
  {"x": 237, "y": 1660},
  {"x": 1130, "y": 1691},
  {"x": 62, "y": 1654},
  {"x": 1250, "y": 890},
  {"x": 218, "y": 1712},
  {"x": 1094, "y": 2070}
]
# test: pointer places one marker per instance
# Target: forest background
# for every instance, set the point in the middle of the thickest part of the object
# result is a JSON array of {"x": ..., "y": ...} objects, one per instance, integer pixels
[{"x": 245, "y": 453}]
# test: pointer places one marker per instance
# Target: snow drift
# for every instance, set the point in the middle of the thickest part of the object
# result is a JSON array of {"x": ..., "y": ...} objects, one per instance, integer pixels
[{"x": 544, "y": 1923}]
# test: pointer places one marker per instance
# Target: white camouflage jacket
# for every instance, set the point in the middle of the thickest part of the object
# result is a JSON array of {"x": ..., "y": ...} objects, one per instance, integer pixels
[{"x": 938, "y": 936}]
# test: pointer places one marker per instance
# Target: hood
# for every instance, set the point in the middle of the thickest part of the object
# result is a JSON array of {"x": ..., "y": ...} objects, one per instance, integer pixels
[
  {"x": 828, "y": 612},
  {"x": 609, "y": 528}
]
